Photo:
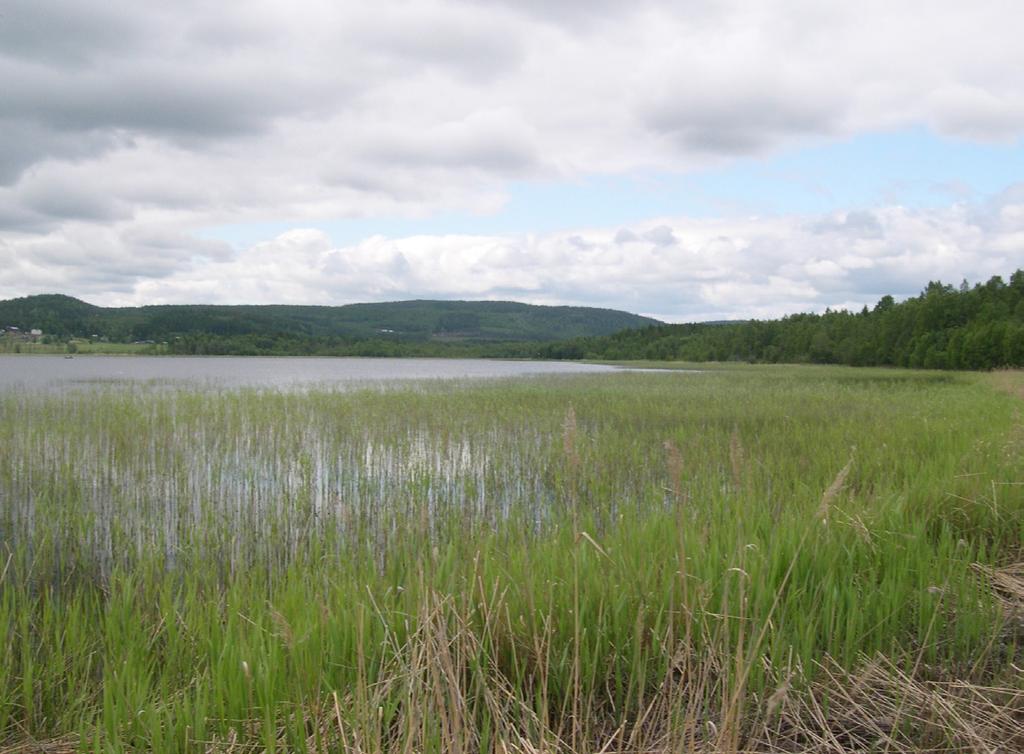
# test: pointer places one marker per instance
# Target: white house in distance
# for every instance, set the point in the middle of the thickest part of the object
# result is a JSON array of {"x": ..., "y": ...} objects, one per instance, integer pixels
[{"x": 16, "y": 333}]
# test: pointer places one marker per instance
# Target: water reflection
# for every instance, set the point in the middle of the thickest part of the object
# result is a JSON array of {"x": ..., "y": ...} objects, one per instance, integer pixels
[
  {"x": 114, "y": 475},
  {"x": 28, "y": 372}
]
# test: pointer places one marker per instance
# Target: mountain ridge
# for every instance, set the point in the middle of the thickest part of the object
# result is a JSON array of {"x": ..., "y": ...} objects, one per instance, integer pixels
[{"x": 416, "y": 320}]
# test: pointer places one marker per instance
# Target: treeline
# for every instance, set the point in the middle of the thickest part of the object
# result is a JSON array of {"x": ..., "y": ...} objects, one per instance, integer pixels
[
  {"x": 283, "y": 344},
  {"x": 295, "y": 326},
  {"x": 980, "y": 327}
]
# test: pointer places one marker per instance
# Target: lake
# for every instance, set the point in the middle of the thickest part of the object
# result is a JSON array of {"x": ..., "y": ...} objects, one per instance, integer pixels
[{"x": 57, "y": 372}]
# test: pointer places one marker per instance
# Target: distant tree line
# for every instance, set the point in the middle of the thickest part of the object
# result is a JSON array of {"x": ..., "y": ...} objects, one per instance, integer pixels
[
  {"x": 291, "y": 344},
  {"x": 259, "y": 327},
  {"x": 980, "y": 327}
]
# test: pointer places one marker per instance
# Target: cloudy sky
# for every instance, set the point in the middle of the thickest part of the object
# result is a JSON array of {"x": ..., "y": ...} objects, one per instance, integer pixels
[{"x": 694, "y": 160}]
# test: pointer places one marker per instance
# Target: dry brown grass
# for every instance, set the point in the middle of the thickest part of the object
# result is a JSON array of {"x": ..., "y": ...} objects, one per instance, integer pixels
[
  {"x": 879, "y": 707},
  {"x": 832, "y": 493}
]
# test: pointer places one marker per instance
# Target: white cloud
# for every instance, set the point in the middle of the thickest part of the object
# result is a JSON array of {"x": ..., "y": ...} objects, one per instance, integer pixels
[
  {"x": 130, "y": 126},
  {"x": 661, "y": 235},
  {"x": 715, "y": 269},
  {"x": 323, "y": 95}
]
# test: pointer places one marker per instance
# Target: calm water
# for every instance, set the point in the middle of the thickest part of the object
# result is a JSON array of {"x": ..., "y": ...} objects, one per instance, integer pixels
[{"x": 57, "y": 372}]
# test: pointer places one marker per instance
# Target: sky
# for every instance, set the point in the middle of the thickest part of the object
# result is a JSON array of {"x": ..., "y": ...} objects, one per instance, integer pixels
[{"x": 706, "y": 160}]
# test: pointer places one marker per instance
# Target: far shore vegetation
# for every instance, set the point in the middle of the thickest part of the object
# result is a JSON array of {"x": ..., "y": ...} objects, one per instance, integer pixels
[{"x": 945, "y": 327}]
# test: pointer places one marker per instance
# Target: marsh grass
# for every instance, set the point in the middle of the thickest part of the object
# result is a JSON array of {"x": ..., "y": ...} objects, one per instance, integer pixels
[{"x": 752, "y": 559}]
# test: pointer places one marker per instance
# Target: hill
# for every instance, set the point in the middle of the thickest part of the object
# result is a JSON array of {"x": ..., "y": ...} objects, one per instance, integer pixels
[{"x": 403, "y": 321}]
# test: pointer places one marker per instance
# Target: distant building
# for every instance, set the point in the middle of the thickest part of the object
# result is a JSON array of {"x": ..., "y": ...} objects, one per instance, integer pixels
[{"x": 16, "y": 333}]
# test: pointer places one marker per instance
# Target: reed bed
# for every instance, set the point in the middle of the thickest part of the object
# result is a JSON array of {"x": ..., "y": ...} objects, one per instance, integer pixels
[{"x": 762, "y": 559}]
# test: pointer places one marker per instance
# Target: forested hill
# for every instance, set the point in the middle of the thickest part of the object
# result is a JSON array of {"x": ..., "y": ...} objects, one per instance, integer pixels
[
  {"x": 403, "y": 321},
  {"x": 980, "y": 327}
]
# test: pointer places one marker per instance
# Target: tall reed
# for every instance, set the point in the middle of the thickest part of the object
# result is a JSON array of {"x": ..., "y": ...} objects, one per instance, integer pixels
[{"x": 618, "y": 563}]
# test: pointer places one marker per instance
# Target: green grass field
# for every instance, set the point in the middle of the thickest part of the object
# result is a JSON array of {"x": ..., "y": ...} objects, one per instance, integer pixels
[
  {"x": 747, "y": 559},
  {"x": 80, "y": 345}
]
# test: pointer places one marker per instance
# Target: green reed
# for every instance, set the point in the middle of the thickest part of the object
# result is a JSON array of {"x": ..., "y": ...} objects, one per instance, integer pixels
[{"x": 449, "y": 566}]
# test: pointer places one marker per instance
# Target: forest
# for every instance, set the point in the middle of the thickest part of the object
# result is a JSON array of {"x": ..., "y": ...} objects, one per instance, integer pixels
[
  {"x": 301, "y": 328},
  {"x": 945, "y": 327}
]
